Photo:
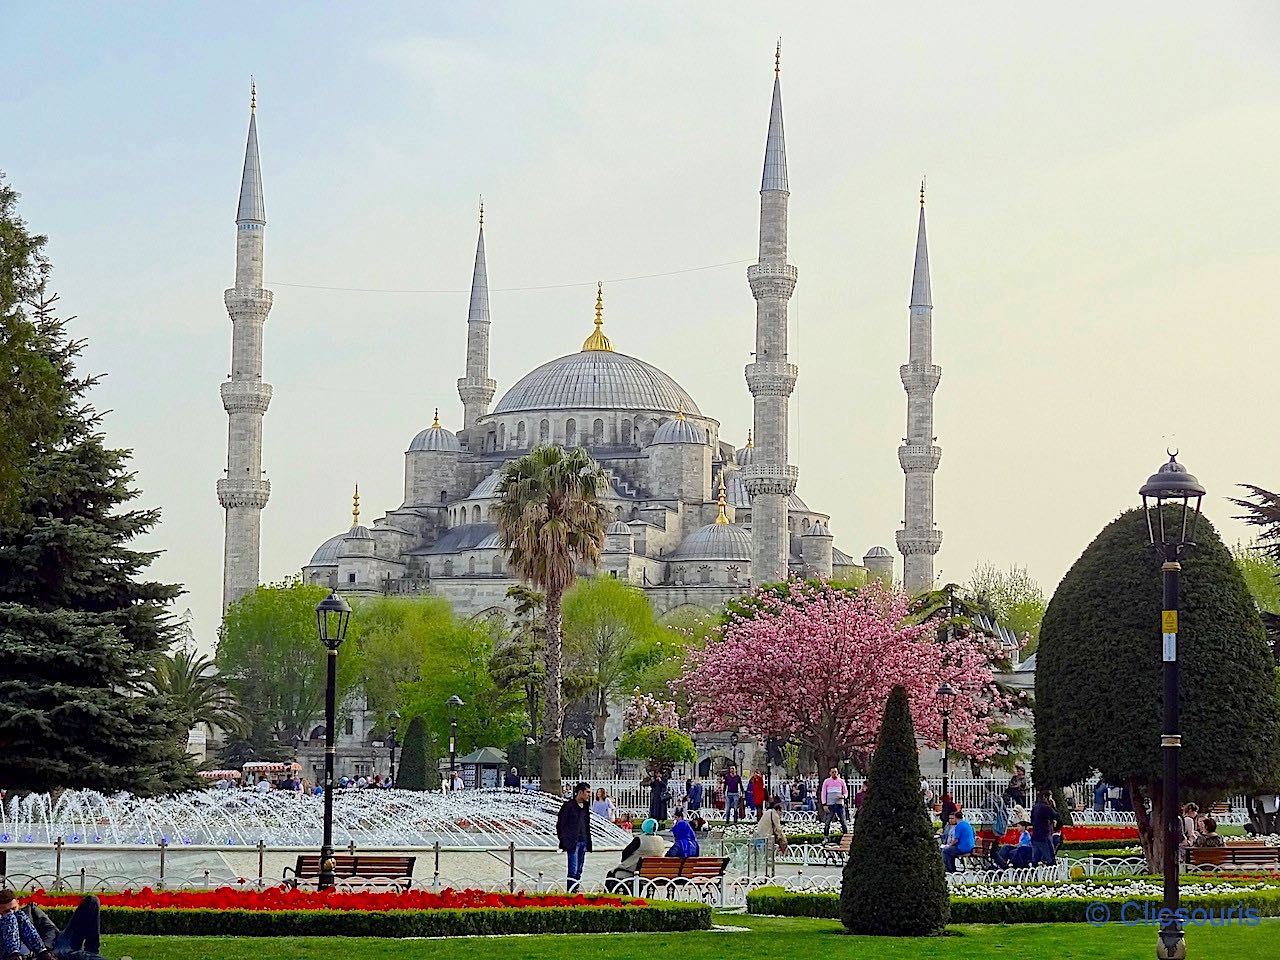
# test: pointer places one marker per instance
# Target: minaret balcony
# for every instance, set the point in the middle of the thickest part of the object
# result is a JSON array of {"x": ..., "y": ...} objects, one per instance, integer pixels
[
  {"x": 920, "y": 377},
  {"x": 770, "y": 478},
  {"x": 919, "y": 542},
  {"x": 769, "y": 379},
  {"x": 245, "y": 396},
  {"x": 244, "y": 492},
  {"x": 915, "y": 457},
  {"x": 476, "y": 389},
  {"x": 247, "y": 304},
  {"x": 772, "y": 280}
]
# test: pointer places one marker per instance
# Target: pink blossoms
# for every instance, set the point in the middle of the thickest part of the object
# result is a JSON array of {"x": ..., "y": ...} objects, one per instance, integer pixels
[{"x": 817, "y": 667}]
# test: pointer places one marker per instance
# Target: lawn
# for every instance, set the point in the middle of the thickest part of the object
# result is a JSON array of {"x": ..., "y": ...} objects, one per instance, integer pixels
[{"x": 768, "y": 938}]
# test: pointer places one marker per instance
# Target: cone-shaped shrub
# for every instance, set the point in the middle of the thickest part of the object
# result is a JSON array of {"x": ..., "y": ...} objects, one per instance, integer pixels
[
  {"x": 417, "y": 765},
  {"x": 894, "y": 883}
]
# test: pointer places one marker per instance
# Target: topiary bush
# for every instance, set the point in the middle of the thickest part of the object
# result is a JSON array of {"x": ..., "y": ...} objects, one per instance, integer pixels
[
  {"x": 660, "y": 747},
  {"x": 417, "y": 765},
  {"x": 894, "y": 883}
]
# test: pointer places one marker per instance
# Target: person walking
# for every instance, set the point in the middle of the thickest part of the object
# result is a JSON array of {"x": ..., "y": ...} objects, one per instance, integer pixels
[
  {"x": 694, "y": 789},
  {"x": 833, "y": 794},
  {"x": 756, "y": 794},
  {"x": 659, "y": 797},
  {"x": 732, "y": 791},
  {"x": 1044, "y": 819},
  {"x": 573, "y": 831},
  {"x": 602, "y": 806}
]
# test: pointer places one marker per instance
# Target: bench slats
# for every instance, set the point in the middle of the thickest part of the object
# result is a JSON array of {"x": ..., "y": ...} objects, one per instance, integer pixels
[
  {"x": 346, "y": 865},
  {"x": 693, "y": 868}
]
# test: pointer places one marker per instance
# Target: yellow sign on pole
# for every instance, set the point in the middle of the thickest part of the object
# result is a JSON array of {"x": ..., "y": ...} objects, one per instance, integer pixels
[{"x": 1169, "y": 621}]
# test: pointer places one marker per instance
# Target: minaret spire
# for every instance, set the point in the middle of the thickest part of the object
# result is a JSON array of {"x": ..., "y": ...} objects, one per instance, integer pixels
[
  {"x": 476, "y": 390},
  {"x": 244, "y": 491},
  {"x": 919, "y": 539},
  {"x": 769, "y": 478}
]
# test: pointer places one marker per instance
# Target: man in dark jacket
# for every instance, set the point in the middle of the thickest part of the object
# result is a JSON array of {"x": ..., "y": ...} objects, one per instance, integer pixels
[
  {"x": 512, "y": 780},
  {"x": 1044, "y": 820},
  {"x": 573, "y": 830},
  {"x": 79, "y": 941}
]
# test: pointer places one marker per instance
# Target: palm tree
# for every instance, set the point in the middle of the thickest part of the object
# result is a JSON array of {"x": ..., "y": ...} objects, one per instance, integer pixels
[
  {"x": 195, "y": 686},
  {"x": 550, "y": 521}
]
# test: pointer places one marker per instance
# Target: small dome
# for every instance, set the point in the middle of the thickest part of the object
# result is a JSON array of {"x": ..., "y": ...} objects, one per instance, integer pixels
[
  {"x": 618, "y": 529},
  {"x": 745, "y": 454},
  {"x": 680, "y": 430},
  {"x": 877, "y": 552},
  {"x": 819, "y": 529},
  {"x": 715, "y": 541},
  {"x": 327, "y": 553},
  {"x": 436, "y": 439},
  {"x": 358, "y": 532}
]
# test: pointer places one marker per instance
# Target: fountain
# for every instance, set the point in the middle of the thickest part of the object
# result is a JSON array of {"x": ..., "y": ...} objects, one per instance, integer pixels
[{"x": 370, "y": 819}]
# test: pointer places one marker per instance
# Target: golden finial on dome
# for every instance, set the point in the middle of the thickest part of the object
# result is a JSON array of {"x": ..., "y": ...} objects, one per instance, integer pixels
[
  {"x": 482, "y": 210},
  {"x": 253, "y": 95},
  {"x": 680, "y": 410},
  {"x": 723, "y": 517},
  {"x": 597, "y": 340},
  {"x": 777, "y": 58},
  {"x": 750, "y": 443},
  {"x": 922, "y": 179},
  {"x": 355, "y": 508},
  {"x": 435, "y": 421}
]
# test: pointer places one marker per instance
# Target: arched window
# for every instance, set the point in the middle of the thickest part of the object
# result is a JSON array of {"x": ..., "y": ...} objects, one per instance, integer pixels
[
  {"x": 571, "y": 432},
  {"x": 617, "y": 511},
  {"x": 448, "y": 568},
  {"x": 521, "y": 438},
  {"x": 544, "y": 432},
  {"x": 704, "y": 574},
  {"x": 597, "y": 433},
  {"x": 471, "y": 564},
  {"x": 625, "y": 439},
  {"x": 678, "y": 575},
  {"x": 732, "y": 572},
  {"x": 497, "y": 564},
  {"x": 426, "y": 569},
  {"x": 502, "y": 436},
  {"x": 444, "y": 495}
]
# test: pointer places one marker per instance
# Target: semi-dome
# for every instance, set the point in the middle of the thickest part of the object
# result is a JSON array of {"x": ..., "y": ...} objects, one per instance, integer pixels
[
  {"x": 819, "y": 529},
  {"x": 436, "y": 439},
  {"x": 596, "y": 380},
  {"x": 680, "y": 430},
  {"x": 715, "y": 541},
  {"x": 327, "y": 553},
  {"x": 618, "y": 528},
  {"x": 877, "y": 552}
]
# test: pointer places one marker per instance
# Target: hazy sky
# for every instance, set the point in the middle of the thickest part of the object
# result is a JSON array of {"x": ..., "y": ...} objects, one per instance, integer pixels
[{"x": 1103, "y": 209}]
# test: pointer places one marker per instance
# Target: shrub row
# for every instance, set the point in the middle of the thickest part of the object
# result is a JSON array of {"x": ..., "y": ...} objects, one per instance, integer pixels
[
  {"x": 776, "y": 901},
  {"x": 659, "y": 915}
]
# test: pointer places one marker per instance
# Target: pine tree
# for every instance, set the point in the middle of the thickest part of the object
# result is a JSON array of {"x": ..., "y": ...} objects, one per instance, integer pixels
[
  {"x": 78, "y": 628},
  {"x": 417, "y": 761},
  {"x": 894, "y": 883}
]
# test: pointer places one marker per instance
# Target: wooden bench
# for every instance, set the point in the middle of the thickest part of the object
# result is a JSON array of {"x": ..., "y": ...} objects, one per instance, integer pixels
[
  {"x": 346, "y": 866},
  {"x": 1246, "y": 854},
  {"x": 837, "y": 852},
  {"x": 700, "y": 869}
]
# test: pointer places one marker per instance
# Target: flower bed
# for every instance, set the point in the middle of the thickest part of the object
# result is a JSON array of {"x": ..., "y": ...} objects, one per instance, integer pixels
[
  {"x": 279, "y": 911},
  {"x": 1064, "y": 902}
]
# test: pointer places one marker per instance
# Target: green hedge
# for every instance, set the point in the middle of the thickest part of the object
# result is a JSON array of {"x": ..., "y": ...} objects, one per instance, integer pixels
[
  {"x": 776, "y": 901},
  {"x": 659, "y": 916}
]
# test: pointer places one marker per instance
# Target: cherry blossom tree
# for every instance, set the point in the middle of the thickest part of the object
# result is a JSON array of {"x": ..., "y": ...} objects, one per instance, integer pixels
[
  {"x": 644, "y": 710},
  {"x": 815, "y": 664}
]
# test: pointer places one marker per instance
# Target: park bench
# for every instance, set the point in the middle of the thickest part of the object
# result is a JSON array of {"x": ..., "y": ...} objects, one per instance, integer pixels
[
  {"x": 1246, "y": 854},
  {"x": 347, "y": 866},
  {"x": 837, "y": 852},
  {"x": 701, "y": 871}
]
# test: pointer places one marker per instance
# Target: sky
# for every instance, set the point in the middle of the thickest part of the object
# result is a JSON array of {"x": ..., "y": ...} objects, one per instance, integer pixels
[{"x": 1102, "y": 207}]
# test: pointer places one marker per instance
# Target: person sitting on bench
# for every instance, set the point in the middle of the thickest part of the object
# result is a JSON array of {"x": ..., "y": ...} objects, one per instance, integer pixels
[
  {"x": 686, "y": 842},
  {"x": 28, "y": 930},
  {"x": 648, "y": 844},
  {"x": 1015, "y": 855},
  {"x": 1211, "y": 837},
  {"x": 961, "y": 842}
]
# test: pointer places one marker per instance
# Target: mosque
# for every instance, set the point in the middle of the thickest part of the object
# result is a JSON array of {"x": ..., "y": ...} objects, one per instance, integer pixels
[{"x": 695, "y": 519}]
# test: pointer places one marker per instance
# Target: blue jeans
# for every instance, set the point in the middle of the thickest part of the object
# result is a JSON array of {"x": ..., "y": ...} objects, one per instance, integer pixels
[
  {"x": 951, "y": 854},
  {"x": 834, "y": 811},
  {"x": 730, "y": 807},
  {"x": 81, "y": 936},
  {"x": 577, "y": 859},
  {"x": 1042, "y": 852}
]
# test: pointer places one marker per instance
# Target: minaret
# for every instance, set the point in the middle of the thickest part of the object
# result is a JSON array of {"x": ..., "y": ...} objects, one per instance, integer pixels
[
  {"x": 769, "y": 479},
  {"x": 919, "y": 539},
  {"x": 244, "y": 491},
  {"x": 476, "y": 389}
]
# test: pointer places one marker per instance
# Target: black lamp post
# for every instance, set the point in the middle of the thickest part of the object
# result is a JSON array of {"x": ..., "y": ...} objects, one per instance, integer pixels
[
  {"x": 332, "y": 616},
  {"x": 1167, "y": 498},
  {"x": 453, "y": 703},
  {"x": 733, "y": 740},
  {"x": 946, "y": 697},
  {"x": 393, "y": 718},
  {"x": 617, "y": 760}
]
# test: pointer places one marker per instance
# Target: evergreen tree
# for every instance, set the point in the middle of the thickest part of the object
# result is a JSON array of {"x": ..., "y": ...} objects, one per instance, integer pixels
[
  {"x": 417, "y": 761},
  {"x": 894, "y": 882},
  {"x": 1099, "y": 668},
  {"x": 79, "y": 629}
]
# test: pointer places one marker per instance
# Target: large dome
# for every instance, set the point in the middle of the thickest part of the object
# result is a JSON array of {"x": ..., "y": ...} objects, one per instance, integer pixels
[{"x": 596, "y": 379}]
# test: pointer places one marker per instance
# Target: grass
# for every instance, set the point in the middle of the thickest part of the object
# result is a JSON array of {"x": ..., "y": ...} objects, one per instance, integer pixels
[{"x": 767, "y": 938}]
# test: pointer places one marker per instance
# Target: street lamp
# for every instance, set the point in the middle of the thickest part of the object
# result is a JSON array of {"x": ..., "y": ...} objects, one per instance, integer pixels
[
  {"x": 332, "y": 616},
  {"x": 1171, "y": 524},
  {"x": 733, "y": 740},
  {"x": 617, "y": 760},
  {"x": 393, "y": 718},
  {"x": 453, "y": 703},
  {"x": 946, "y": 697}
]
